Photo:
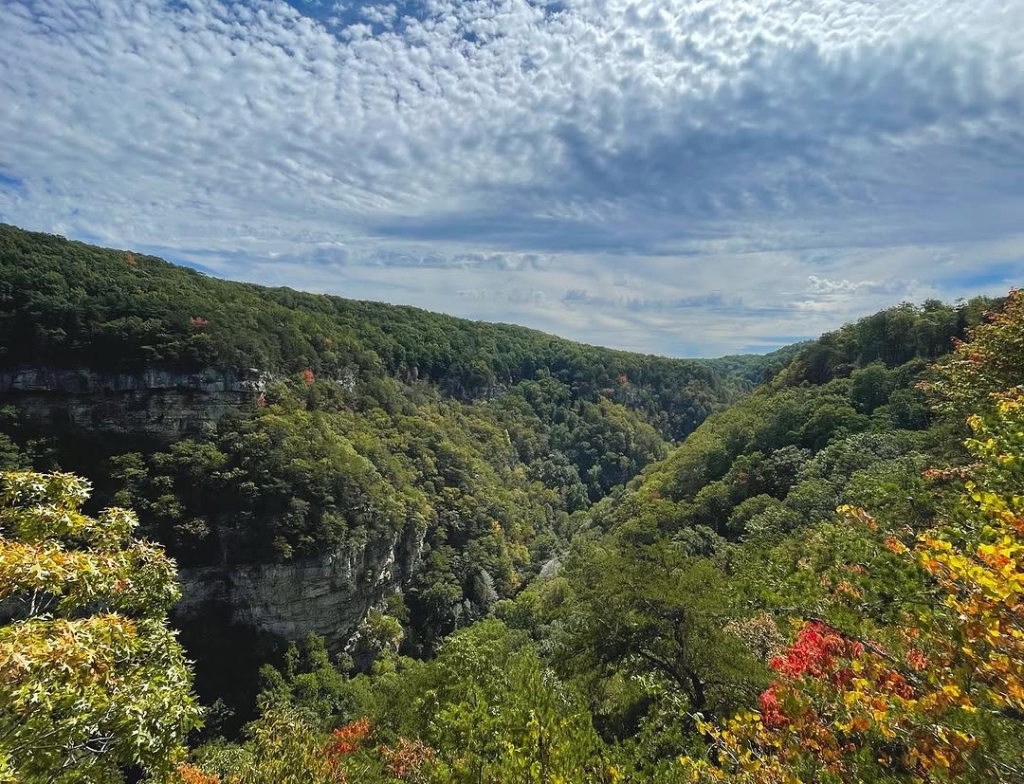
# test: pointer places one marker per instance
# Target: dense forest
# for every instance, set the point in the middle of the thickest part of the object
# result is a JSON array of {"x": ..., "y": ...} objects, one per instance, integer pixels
[
  {"x": 804, "y": 567},
  {"x": 487, "y": 442}
]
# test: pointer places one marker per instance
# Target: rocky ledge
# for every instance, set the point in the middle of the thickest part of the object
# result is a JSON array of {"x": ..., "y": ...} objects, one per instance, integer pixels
[
  {"x": 328, "y": 595},
  {"x": 156, "y": 402}
]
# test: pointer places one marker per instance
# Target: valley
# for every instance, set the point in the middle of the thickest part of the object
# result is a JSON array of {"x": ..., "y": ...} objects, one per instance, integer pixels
[{"x": 411, "y": 547}]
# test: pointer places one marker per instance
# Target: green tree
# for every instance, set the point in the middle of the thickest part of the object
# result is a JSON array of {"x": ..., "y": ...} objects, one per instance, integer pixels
[
  {"x": 493, "y": 713},
  {"x": 93, "y": 683},
  {"x": 869, "y": 387},
  {"x": 654, "y": 612},
  {"x": 284, "y": 749}
]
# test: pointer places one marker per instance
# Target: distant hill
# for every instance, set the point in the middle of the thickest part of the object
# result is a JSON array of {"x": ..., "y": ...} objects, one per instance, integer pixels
[{"x": 69, "y": 304}]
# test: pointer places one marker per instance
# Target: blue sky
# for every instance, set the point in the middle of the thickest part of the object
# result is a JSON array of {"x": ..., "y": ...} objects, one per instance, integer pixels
[{"x": 689, "y": 177}]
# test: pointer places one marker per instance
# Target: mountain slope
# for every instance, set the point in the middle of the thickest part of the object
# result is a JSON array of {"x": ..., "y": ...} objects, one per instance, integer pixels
[
  {"x": 306, "y": 458},
  {"x": 68, "y": 304},
  {"x": 856, "y": 389}
]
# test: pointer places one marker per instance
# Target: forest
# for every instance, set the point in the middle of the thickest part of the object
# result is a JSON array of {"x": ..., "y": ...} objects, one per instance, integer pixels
[{"x": 801, "y": 567}]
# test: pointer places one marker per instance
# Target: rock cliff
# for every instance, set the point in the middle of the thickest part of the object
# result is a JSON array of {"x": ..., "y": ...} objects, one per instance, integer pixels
[
  {"x": 328, "y": 595},
  {"x": 155, "y": 402}
]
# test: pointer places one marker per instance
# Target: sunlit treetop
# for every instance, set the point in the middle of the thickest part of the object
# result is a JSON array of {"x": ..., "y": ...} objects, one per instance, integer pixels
[{"x": 93, "y": 681}]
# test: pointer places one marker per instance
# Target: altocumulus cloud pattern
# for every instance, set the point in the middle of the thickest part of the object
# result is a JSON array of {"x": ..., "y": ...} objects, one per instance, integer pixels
[{"x": 681, "y": 176}]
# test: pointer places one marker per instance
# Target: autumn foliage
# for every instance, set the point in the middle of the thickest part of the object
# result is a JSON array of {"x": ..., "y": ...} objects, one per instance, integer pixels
[
  {"x": 407, "y": 758},
  {"x": 847, "y": 708},
  {"x": 348, "y": 739},
  {"x": 92, "y": 680},
  {"x": 190, "y": 774}
]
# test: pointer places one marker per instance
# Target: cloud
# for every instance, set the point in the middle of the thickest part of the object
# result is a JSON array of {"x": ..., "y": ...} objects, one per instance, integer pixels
[
  {"x": 818, "y": 285},
  {"x": 715, "y": 300},
  {"x": 685, "y": 164}
]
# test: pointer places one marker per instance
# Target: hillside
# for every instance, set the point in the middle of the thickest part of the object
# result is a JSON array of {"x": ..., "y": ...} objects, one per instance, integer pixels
[
  {"x": 68, "y": 304},
  {"x": 266, "y": 436},
  {"x": 414, "y": 547},
  {"x": 845, "y": 401}
]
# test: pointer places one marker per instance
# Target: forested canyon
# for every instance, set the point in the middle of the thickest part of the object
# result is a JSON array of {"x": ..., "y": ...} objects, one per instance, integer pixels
[{"x": 409, "y": 547}]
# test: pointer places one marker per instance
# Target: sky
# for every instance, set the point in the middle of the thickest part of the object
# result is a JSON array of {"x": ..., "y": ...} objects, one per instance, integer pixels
[{"x": 684, "y": 177}]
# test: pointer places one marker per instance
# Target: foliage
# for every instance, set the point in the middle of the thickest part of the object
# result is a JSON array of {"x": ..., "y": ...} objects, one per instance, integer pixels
[
  {"x": 67, "y": 304},
  {"x": 891, "y": 337},
  {"x": 93, "y": 682},
  {"x": 312, "y": 683},
  {"x": 989, "y": 364},
  {"x": 658, "y": 613},
  {"x": 488, "y": 710},
  {"x": 376, "y": 426},
  {"x": 670, "y": 611},
  {"x": 944, "y": 698},
  {"x": 485, "y": 710}
]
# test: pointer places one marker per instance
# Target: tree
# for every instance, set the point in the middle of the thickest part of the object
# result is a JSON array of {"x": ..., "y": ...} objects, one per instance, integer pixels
[
  {"x": 989, "y": 364},
  {"x": 92, "y": 681},
  {"x": 488, "y": 711},
  {"x": 285, "y": 750},
  {"x": 656, "y": 613},
  {"x": 940, "y": 695},
  {"x": 869, "y": 387}
]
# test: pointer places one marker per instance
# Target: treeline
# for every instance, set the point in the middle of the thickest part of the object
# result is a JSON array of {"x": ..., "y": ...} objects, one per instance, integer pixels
[
  {"x": 68, "y": 304},
  {"x": 892, "y": 337}
]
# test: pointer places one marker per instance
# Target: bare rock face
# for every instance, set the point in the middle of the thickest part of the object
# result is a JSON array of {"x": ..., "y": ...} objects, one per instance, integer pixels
[
  {"x": 328, "y": 595},
  {"x": 156, "y": 402}
]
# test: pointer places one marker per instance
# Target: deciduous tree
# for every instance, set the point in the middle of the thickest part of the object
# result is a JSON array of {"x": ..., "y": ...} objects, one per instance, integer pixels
[{"x": 92, "y": 680}]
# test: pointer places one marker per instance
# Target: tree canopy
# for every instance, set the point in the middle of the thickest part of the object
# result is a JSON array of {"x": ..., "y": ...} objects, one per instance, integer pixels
[{"x": 93, "y": 683}]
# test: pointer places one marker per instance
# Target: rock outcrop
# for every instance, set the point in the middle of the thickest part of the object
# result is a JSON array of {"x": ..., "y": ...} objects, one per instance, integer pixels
[
  {"x": 156, "y": 402},
  {"x": 328, "y": 595}
]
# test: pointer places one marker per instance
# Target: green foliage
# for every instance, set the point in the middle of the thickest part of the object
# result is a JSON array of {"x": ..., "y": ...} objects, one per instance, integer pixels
[
  {"x": 796, "y": 444},
  {"x": 654, "y": 613},
  {"x": 11, "y": 458},
  {"x": 93, "y": 682},
  {"x": 378, "y": 424},
  {"x": 909, "y": 664},
  {"x": 989, "y": 364},
  {"x": 491, "y": 712},
  {"x": 311, "y": 682},
  {"x": 67, "y": 304},
  {"x": 581, "y": 447},
  {"x": 283, "y": 749},
  {"x": 892, "y": 337},
  {"x": 664, "y": 607}
]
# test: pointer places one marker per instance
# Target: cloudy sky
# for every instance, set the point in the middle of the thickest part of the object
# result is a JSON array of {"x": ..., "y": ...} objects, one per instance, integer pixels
[{"x": 690, "y": 177}]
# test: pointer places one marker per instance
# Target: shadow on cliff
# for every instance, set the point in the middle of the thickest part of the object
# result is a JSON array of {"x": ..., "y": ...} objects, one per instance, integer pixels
[{"x": 226, "y": 657}]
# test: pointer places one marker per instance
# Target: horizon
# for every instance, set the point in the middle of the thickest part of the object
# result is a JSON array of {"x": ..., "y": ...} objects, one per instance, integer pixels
[
  {"x": 683, "y": 178},
  {"x": 789, "y": 341}
]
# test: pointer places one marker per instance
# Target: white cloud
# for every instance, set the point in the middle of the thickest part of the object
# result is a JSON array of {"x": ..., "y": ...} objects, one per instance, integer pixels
[
  {"x": 747, "y": 168},
  {"x": 816, "y": 285}
]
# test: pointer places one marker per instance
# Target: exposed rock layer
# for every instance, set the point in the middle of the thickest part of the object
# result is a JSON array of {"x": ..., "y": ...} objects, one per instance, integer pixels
[
  {"x": 155, "y": 402},
  {"x": 328, "y": 595}
]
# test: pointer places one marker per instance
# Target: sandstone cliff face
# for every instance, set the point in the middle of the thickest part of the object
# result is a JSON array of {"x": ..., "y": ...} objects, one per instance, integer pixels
[
  {"x": 328, "y": 595},
  {"x": 156, "y": 402}
]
